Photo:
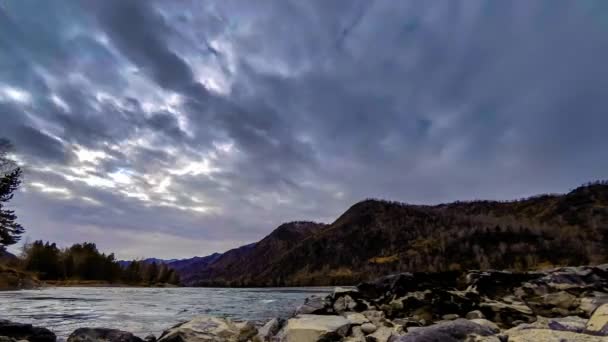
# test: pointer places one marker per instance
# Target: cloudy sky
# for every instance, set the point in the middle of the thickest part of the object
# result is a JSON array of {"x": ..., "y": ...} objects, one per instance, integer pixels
[{"x": 181, "y": 128}]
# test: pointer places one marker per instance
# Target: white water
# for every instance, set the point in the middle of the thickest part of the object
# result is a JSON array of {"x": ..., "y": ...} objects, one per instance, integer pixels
[{"x": 145, "y": 310}]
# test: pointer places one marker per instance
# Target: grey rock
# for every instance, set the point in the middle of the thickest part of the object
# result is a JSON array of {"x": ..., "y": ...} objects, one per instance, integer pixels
[
  {"x": 475, "y": 314},
  {"x": 527, "y": 335},
  {"x": 209, "y": 329},
  {"x": 450, "y": 317},
  {"x": 304, "y": 328},
  {"x": 355, "y": 318},
  {"x": 21, "y": 331},
  {"x": 313, "y": 305},
  {"x": 598, "y": 323},
  {"x": 382, "y": 334},
  {"x": 270, "y": 329},
  {"x": 102, "y": 334},
  {"x": 452, "y": 331},
  {"x": 368, "y": 328}
]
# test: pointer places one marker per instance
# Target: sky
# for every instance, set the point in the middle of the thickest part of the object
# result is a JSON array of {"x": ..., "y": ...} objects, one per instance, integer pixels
[{"x": 178, "y": 128}]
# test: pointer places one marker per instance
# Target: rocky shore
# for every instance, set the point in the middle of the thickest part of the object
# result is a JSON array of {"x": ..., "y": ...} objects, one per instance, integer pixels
[{"x": 563, "y": 304}]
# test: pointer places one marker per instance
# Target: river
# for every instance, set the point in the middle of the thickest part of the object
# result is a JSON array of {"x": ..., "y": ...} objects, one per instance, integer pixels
[{"x": 145, "y": 310}]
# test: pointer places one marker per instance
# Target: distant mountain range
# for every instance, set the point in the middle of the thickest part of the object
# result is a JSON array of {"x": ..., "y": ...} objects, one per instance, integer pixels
[{"x": 376, "y": 237}]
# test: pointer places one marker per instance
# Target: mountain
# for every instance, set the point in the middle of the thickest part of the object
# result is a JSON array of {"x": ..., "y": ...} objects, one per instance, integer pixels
[
  {"x": 250, "y": 259},
  {"x": 125, "y": 263},
  {"x": 375, "y": 237}
]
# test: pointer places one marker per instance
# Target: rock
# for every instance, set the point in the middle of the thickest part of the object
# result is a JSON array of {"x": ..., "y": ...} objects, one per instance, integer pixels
[
  {"x": 398, "y": 285},
  {"x": 102, "y": 334},
  {"x": 376, "y": 317},
  {"x": 486, "y": 323},
  {"x": 589, "y": 304},
  {"x": 356, "y": 335},
  {"x": 407, "y": 322},
  {"x": 20, "y": 331},
  {"x": 344, "y": 303},
  {"x": 495, "y": 284},
  {"x": 507, "y": 314},
  {"x": 527, "y": 335},
  {"x": 208, "y": 328},
  {"x": 355, "y": 318},
  {"x": 452, "y": 331},
  {"x": 309, "y": 328},
  {"x": 574, "y": 280},
  {"x": 450, "y": 317},
  {"x": 368, "y": 328},
  {"x": 313, "y": 305},
  {"x": 475, "y": 314},
  {"x": 555, "y": 304},
  {"x": 598, "y": 323},
  {"x": 382, "y": 334},
  {"x": 150, "y": 338},
  {"x": 270, "y": 329}
]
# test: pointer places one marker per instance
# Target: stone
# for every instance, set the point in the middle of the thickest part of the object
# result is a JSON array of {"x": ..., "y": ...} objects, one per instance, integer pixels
[
  {"x": 475, "y": 314},
  {"x": 312, "y": 305},
  {"x": 451, "y": 331},
  {"x": 589, "y": 304},
  {"x": 368, "y": 328},
  {"x": 270, "y": 329},
  {"x": 507, "y": 314},
  {"x": 374, "y": 316},
  {"x": 102, "y": 334},
  {"x": 598, "y": 322},
  {"x": 21, "y": 331},
  {"x": 355, "y": 318},
  {"x": 450, "y": 317},
  {"x": 308, "y": 328},
  {"x": 344, "y": 303},
  {"x": 150, "y": 338},
  {"x": 208, "y": 329},
  {"x": 382, "y": 334},
  {"x": 358, "y": 333},
  {"x": 486, "y": 323},
  {"x": 527, "y": 335}
]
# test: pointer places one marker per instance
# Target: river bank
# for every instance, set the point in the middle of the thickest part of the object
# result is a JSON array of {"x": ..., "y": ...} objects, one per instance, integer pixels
[{"x": 569, "y": 303}]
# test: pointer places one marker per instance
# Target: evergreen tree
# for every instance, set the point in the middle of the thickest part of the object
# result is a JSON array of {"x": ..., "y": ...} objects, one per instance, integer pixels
[{"x": 10, "y": 179}]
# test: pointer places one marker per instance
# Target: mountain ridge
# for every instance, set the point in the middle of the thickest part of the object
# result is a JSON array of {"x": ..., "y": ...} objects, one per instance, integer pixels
[{"x": 376, "y": 237}]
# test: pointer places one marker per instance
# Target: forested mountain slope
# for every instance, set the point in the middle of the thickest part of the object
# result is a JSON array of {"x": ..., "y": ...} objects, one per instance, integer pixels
[{"x": 376, "y": 237}]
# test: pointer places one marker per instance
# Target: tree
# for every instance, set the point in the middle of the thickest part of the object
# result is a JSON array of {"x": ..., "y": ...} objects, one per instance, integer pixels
[{"x": 10, "y": 180}]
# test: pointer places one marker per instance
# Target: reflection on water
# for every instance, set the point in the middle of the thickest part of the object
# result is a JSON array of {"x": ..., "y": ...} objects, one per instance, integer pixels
[{"x": 145, "y": 310}]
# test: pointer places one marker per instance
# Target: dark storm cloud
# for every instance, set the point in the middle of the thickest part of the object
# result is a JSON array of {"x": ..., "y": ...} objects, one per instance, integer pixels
[
  {"x": 210, "y": 123},
  {"x": 140, "y": 33}
]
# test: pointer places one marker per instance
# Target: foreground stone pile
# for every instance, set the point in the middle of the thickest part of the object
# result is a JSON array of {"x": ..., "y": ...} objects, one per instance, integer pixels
[{"x": 564, "y": 304}]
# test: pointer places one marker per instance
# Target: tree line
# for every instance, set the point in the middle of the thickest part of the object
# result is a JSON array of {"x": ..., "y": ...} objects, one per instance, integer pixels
[{"x": 84, "y": 262}]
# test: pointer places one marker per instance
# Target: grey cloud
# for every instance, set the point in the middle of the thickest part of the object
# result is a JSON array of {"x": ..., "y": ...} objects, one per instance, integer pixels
[{"x": 322, "y": 104}]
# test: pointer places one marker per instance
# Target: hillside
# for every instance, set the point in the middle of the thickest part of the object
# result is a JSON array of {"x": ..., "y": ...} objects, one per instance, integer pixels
[{"x": 375, "y": 237}]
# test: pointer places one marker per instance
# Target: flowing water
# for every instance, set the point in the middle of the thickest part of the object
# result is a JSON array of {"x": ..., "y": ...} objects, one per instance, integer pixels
[{"x": 145, "y": 310}]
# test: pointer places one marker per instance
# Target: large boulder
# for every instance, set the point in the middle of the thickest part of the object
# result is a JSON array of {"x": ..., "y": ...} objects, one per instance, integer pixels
[
  {"x": 452, "y": 331},
  {"x": 312, "y": 328},
  {"x": 574, "y": 280},
  {"x": 20, "y": 331},
  {"x": 209, "y": 329},
  {"x": 527, "y": 335},
  {"x": 102, "y": 335},
  {"x": 598, "y": 323}
]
